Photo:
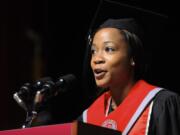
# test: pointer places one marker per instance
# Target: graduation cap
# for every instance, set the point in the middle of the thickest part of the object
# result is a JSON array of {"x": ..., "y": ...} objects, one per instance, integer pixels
[{"x": 149, "y": 26}]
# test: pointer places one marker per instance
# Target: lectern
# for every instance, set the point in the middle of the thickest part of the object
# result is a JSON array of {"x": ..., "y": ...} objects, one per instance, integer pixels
[{"x": 74, "y": 128}]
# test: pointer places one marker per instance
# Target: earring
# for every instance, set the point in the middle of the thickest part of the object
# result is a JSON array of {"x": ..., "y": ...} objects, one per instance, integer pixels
[{"x": 132, "y": 63}]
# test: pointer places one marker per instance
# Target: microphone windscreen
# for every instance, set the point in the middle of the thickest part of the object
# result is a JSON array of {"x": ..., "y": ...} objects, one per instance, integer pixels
[{"x": 67, "y": 82}]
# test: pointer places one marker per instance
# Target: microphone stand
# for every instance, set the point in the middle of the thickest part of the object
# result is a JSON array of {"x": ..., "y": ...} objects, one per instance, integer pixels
[
  {"x": 33, "y": 113},
  {"x": 29, "y": 119}
]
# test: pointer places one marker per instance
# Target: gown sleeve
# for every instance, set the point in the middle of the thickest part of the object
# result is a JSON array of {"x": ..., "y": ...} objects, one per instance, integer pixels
[{"x": 165, "y": 117}]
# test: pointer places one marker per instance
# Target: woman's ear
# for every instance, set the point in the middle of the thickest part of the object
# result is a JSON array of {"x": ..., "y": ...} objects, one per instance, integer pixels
[{"x": 132, "y": 62}]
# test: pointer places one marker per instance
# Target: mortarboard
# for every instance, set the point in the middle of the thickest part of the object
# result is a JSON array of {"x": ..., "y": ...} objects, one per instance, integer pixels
[{"x": 149, "y": 25}]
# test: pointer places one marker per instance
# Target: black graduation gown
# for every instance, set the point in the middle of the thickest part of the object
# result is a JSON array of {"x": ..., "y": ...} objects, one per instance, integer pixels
[{"x": 165, "y": 117}]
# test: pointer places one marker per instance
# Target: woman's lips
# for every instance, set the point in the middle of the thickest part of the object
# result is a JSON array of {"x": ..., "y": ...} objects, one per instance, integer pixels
[{"x": 99, "y": 73}]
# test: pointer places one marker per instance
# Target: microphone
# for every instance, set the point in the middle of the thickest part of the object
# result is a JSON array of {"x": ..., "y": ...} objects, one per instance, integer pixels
[
  {"x": 44, "y": 93},
  {"x": 24, "y": 90},
  {"x": 50, "y": 89},
  {"x": 66, "y": 83},
  {"x": 31, "y": 96},
  {"x": 26, "y": 93}
]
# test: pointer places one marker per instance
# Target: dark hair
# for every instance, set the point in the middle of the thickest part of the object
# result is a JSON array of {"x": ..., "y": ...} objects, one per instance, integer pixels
[{"x": 135, "y": 51}]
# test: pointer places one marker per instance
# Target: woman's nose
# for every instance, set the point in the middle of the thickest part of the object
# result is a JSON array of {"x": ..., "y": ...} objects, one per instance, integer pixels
[{"x": 99, "y": 59}]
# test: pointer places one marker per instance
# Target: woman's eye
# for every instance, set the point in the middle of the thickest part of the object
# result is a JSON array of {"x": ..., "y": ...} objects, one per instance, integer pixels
[{"x": 109, "y": 49}]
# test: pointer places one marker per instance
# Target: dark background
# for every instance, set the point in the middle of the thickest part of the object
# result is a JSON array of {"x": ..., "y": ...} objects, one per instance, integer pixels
[{"x": 45, "y": 38}]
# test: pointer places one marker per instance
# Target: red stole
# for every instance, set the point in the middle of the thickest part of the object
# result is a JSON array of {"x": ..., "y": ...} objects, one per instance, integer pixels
[{"x": 120, "y": 117}]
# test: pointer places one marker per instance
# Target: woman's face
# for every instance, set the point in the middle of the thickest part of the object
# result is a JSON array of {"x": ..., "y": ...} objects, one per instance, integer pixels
[{"x": 110, "y": 62}]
